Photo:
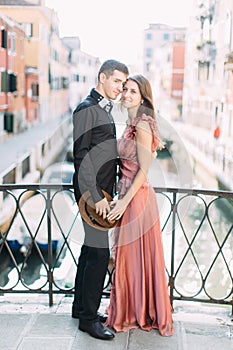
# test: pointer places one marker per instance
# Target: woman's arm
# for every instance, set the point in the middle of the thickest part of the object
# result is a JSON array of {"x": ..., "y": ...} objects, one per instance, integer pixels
[{"x": 145, "y": 159}]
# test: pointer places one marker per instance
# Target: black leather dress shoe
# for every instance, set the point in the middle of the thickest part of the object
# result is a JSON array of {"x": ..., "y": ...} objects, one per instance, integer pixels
[
  {"x": 96, "y": 330},
  {"x": 101, "y": 317}
]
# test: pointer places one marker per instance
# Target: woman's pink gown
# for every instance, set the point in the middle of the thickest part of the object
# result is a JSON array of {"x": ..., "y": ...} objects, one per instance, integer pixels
[{"x": 139, "y": 294}]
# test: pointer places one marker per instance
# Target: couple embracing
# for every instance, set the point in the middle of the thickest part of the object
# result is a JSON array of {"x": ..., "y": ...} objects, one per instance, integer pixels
[{"x": 139, "y": 293}]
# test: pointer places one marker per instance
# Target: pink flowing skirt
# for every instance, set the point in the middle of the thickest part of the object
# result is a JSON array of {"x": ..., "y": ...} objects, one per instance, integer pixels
[{"x": 139, "y": 295}]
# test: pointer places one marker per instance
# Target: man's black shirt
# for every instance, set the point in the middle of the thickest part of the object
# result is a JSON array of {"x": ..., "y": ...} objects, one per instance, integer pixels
[{"x": 95, "y": 150}]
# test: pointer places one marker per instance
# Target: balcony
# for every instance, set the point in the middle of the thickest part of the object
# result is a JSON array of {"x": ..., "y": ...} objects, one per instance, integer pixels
[
  {"x": 197, "y": 243},
  {"x": 207, "y": 51}
]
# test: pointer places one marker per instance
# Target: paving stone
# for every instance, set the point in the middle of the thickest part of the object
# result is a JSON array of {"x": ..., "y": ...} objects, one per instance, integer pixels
[
  {"x": 46, "y": 343},
  {"x": 11, "y": 328},
  {"x": 84, "y": 341},
  {"x": 142, "y": 340},
  {"x": 54, "y": 325}
]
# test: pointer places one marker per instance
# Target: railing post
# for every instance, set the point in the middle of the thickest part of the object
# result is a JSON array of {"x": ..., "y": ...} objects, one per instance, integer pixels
[
  {"x": 50, "y": 249},
  {"x": 232, "y": 307},
  {"x": 171, "y": 279},
  {"x": 223, "y": 162}
]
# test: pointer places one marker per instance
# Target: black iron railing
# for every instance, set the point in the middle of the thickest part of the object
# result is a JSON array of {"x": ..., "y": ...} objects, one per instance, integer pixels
[{"x": 41, "y": 234}]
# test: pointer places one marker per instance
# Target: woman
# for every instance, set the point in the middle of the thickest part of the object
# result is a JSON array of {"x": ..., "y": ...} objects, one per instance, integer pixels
[{"x": 139, "y": 295}]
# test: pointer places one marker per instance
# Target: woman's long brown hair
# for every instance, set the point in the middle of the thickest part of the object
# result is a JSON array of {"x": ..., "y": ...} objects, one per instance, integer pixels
[
  {"x": 144, "y": 86},
  {"x": 147, "y": 105}
]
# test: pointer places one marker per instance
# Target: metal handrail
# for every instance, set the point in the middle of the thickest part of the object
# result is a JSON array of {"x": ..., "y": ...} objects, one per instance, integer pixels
[{"x": 198, "y": 254}]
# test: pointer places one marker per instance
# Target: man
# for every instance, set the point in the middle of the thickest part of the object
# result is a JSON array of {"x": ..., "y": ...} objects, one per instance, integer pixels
[{"x": 95, "y": 154}]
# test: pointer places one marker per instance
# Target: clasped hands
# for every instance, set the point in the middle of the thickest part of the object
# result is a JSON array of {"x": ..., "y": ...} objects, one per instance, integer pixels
[
  {"x": 102, "y": 207},
  {"x": 111, "y": 210}
]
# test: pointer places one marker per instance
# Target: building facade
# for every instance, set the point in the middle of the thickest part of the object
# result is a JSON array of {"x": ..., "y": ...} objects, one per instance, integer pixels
[
  {"x": 44, "y": 53},
  {"x": 208, "y": 84},
  {"x": 82, "y": 73},
  {"x": 12, "y": 78},
  {"x": 56, "y": 73},
  {"x": 163, "y": 57}
]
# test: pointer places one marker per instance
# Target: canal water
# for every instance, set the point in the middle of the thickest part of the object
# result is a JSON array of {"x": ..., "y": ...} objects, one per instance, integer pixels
[{"x": 203, "y": 245}]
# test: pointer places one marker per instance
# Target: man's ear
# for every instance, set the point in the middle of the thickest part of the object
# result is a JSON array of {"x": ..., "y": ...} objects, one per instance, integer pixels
[{"x": 102, "y": 78}]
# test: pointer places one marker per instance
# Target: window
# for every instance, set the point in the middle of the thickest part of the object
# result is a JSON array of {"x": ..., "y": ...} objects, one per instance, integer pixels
[
  {"x": 65, "y": 83},
  {"x": 166, "y": 36},
  {"x": 4, "y": 38},
  {"x": 8, "y": 82},
  {"x": 75, "y": 78},
  {"x": 49, "y": 75},
  {"x": 35, "y": 90},
  {"x": 28, "y": 28},
  {"x": 12, "y": 43},
  {"x": 148, "y": 36},
  {"x": 55, "y": 83},
  {"x": 149, "y": 52},
  {"x": 55, "y": 55},
  {"x": 12, "y": 82},
  {"x": 203, "y": 70},
  {"x": 4, "y": 82}
]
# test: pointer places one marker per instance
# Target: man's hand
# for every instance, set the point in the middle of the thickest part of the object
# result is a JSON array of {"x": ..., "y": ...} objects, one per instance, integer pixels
[{"x": 102, "y": 208}]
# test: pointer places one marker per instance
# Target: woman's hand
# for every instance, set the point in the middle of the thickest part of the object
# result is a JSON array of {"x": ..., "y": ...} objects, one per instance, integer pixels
[{"x": 119, "y": 207}]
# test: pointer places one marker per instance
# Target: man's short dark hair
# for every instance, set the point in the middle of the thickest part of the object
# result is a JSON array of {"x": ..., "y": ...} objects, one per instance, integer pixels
[{"x": 109, "y": 66}]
